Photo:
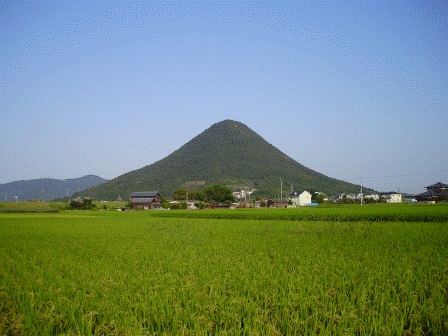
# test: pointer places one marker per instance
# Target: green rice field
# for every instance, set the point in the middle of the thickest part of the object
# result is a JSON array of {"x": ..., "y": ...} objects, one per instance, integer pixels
[{"x": 371, "y": 270}]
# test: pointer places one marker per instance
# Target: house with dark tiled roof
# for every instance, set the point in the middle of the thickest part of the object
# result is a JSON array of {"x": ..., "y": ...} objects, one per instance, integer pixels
[
  {"x": 434, "y": 192},
  {"x": 146, "y": 200}
]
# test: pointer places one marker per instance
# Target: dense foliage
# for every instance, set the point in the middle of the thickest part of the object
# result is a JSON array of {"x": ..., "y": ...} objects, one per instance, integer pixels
[
  {"x": 212, "y": 194},
  {"x": 183, "y": 194},
  {"x": 218, "y": 194},
  {"x": 82, "y": 204},
  {"x": 124, "y": 273}
]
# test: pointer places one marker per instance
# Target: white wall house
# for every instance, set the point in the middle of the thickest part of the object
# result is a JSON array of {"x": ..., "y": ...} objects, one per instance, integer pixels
[
  {"x": 300, "y": 198},
  {"x": 391, "y": 197},
  {"x": 375, "y": 197}
]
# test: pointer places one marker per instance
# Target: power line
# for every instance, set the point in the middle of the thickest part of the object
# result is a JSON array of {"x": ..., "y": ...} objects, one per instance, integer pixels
[{"x": 405, "y": 175}]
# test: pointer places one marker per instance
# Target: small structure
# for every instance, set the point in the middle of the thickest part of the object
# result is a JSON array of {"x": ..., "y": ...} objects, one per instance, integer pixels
[
  {"x": 146, "y": 200},
  {"x": 277, "y": 203},
  {"x": 300, "y": 198},
  {"x": 434, "y": 192},
  {"x": 220, "y": 205},
  {"x": 391, "y": 197}
]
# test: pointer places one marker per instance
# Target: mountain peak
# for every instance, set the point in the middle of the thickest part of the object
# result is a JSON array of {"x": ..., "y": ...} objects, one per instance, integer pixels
[
  {"x": 229, "y": 153},
  {"x": 227, "y": 125}
]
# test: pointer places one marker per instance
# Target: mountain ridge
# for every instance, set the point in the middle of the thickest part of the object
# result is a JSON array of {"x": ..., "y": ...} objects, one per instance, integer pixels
[
  {"x": 47, "y": 189},
  {"x": 229, "y": 153}
]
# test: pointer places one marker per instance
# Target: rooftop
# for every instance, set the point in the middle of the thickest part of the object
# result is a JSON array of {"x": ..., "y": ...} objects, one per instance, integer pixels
[
  {"x": 144, "y": 194},
  {"x": 438, "y": 185}
]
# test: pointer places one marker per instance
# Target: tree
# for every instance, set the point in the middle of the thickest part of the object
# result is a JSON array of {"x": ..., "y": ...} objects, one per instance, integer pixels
[
  {"x": 177, "y": 206},
  {"x": 183, "y": 194},
  {"x": 180, "y": 194},
  {"x": 82, "y": 204},
  {"x": 196, "y": 195},
  {"x": 318, "y": 197},
  {"x": 219, "y": 194},
  {"x": 199, "y": 205}
]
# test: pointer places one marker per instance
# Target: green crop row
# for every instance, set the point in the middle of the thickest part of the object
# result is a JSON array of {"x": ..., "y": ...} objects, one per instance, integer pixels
[
  {"x": 124, "y": 273},
  {"x": 372, "y": 213},
  {"x": 31, "y": 207}
]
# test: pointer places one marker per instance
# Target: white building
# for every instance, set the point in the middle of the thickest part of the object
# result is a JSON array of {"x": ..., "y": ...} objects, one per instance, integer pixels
[
  {"x": 243, "y": 194},
  {"x": 374, "y": 197},
  {"x": 391, "y": 197},
  {"x": 300, "y": 198}
]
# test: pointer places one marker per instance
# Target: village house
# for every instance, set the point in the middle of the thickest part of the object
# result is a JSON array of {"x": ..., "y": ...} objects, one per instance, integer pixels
[
  {"x": 391, "y": 197},
  {"x": 300, "y": 198},
  {"x": 146, "y": 200},
  {"x": 345, "y": 197},
  {"x": 374, "y": 197},
  {"x": 434, "y": 192}
]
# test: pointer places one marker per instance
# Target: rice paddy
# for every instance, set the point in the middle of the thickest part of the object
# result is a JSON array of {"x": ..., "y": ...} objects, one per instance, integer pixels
[{"x": 135, "y": 273}]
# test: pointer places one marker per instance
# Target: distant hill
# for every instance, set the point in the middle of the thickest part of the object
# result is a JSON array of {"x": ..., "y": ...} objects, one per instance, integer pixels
[
  {"x": 228, "y": 153},
  {"x": 46, "y": 189}
]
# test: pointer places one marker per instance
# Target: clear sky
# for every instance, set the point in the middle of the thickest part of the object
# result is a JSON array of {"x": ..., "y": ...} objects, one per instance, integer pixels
[{"x": 354, "y": 90}]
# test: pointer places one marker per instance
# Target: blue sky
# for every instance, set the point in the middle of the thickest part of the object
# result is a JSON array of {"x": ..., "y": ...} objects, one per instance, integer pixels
[{"x": 354, "y": 90}]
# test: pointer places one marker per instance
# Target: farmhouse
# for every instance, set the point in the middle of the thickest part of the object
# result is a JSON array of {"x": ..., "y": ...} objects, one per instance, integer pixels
[
  {"x": 300, "y": 198},
  {"x": 146, "y": 200},
  {"x": 434, "y": 192}
]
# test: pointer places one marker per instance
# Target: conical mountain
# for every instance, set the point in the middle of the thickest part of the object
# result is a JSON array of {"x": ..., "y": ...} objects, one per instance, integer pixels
[{"x": 227, "y": 153}]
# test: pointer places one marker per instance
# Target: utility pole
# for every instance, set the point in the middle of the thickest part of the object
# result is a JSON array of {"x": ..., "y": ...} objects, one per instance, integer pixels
[
  {"x": 281, "y": 190},
  {"x": 361, "y": 190}
]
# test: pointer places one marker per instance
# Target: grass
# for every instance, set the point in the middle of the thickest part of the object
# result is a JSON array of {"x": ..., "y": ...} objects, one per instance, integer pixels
[{"x": 131, "y": 273}]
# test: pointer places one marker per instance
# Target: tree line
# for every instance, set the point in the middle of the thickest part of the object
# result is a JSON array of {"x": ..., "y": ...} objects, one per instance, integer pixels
[{"x": 213, "y": 194}]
